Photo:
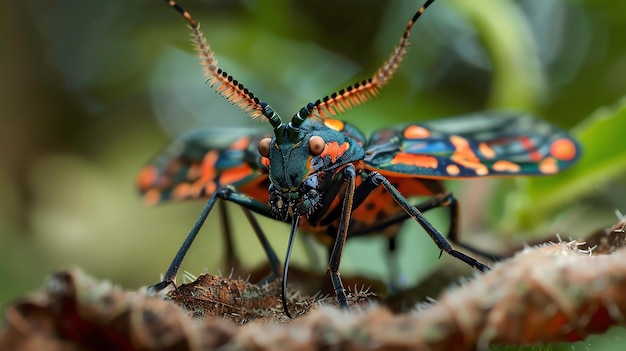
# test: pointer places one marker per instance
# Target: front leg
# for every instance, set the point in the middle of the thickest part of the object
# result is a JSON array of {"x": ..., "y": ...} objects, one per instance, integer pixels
[
  {"x": 227, "y": 194},
  {"x": 349, "y": 174}
]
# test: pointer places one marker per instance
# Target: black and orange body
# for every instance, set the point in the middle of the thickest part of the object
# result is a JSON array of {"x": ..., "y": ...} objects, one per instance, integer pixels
[{"x": 326, "y": 178}]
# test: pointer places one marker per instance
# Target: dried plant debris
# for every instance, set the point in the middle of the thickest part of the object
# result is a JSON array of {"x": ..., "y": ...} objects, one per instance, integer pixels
[
  {"x": 241, "y": 302},
  {"x": 606, "y": 240},
  {"x": 237, "y": 300},
  {"x": 555, "y": 292}
]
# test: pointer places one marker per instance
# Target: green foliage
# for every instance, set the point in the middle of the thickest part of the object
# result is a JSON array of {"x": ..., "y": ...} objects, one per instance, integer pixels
[
  {"x": 517, "y": 80},
  {"x": 603, "y": 161},
  {"x": 89, "y": 86}
]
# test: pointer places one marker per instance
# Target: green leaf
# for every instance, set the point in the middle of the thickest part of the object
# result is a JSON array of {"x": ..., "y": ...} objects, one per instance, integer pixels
[{"x": 518, "y": 81}]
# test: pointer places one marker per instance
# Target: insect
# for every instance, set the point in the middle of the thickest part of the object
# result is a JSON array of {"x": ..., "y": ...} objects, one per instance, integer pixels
[{"x": 326, "y": 178}]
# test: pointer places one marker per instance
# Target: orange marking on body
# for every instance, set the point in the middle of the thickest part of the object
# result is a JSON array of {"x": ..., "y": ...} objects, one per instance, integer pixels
[
  {"x": 465, "y": 156},
  {"x": 506, "y": 166},
  {"x": 380, "y": 205},
  {"x": 265, "y": 162},
  {"x": 416, "y": 132},
  {"x": 147, "y": 177},
  {"x": 152, "y": 197},
  {"x": 359, "y": 166},
  {"x": 535, "y": 155},
  {"x": 463, "y": 149},
  {"x": 195, "y": 189},
  {"x": 210, "y": 188},
  {"x": 414, "y": 186},
  {"x": 208, "y": 165},
  {"x": 486, "y": 150},
  {"x": 235, "y": 174},
  {"x": 194, "y": 172},
  {"x": 563, "y": 149},
  {"x": 334, "y": 150},
  {"x": 256, "y": 188},
  {"x": 548, "y": 166},
  {"x": 241, "y": 143},
  {"x": 415, "y": 160},
  {"x": 478, "y": 167},
  {"x": 481, "y": 170},
  {"x": 377, "y": 202},
  {"x": 207, "y": 175},
  {"x": 181, "y": 191},
  {"x": 453, "y": 170},
  {"x": 334, "y": 124},
  {"x": 308, "y": 164}
]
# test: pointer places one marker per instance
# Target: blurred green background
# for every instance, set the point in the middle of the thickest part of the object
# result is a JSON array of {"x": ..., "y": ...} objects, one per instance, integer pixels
[{"x": 90, "y": 91}]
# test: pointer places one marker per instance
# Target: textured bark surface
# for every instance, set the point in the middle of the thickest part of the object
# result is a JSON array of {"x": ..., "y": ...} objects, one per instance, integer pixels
[{"x": 554, "y": 292}]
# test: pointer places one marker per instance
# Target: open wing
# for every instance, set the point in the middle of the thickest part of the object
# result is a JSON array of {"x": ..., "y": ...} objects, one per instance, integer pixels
[
  {"x": 475, "y": 145},
  {"x": 196, "y": 164}
]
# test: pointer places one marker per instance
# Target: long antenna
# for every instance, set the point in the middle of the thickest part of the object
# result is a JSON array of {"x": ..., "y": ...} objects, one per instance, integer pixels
[
  {"x": 218, "y": 79},
  {"x": 360, "y": 92}
]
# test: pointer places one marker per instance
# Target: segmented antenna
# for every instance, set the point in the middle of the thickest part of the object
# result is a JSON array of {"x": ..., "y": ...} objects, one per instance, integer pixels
[
  {"x": 359, "y": 93},
  {"x": 218, "y": 79}
]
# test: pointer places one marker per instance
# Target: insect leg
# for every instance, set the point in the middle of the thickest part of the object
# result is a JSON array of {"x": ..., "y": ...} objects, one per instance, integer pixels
[
  {"x": 227, "y": 194},
  {"x": 349, "y": 174},
  {"x": 434, "y": 202},
  {"x": 416, "y": 214},
  {"x": 394, "y": 270},
  {"x": 231, "y": 256},
  {"x": 330, "y": 194},
  {"x": 370, "y": 185},
  {"x": 267, "y": 247},
  {"x": 360, "y": 195},
  {"x": 453, "y": 232},
  {"x": 392, "y": 259},
  {"x": 441, "y": 200},
  {"x": 393, "y": 265}
]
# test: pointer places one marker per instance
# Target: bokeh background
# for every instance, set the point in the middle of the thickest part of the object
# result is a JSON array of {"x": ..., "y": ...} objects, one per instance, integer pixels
[{"x": 91, "y": 90}]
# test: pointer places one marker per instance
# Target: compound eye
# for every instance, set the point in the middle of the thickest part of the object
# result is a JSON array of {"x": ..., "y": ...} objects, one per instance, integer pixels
[
  {"x": 316, "y": 145},
  {"x": 264, "y": 147}
]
